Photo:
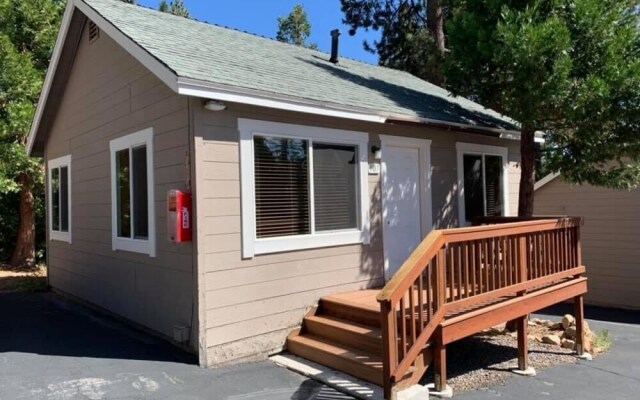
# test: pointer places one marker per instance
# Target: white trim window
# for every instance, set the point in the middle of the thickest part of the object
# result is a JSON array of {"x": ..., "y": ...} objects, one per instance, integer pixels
[
  {"x": 483, "y": 188},
  {"x": 59, "y": 193},
  {"x": 302, "y": 187},
  {"x": 133, "y": 225}
]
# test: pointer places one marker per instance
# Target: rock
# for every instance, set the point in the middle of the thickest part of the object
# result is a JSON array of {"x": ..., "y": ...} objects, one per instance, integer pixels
[
  {"x": 513, "y": 334},
  {"x": 568, "y": 321},
  {"x": 570, "y": 332},
  {"x": 538, "y": 321},
  {"x": 551, "y": 339},
  {"x": 568, "y": 344},
  {"x": 552, "y": 325},
  {"x": 531, "y": 323}
]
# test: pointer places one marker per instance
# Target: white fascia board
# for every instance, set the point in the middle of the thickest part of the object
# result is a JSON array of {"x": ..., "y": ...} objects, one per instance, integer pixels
[
  {"x": 545, "y": 180},
  {"x": 206, "y": 90},
  {"x": 51, "y": 71}
]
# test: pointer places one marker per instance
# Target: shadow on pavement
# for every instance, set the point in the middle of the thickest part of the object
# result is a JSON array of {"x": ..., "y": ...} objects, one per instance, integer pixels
[
  {"x": 46, "y": 324},
  {"x": 596, "y": 313}
]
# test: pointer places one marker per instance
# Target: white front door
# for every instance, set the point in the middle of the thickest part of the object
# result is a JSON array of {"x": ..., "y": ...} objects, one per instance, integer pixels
[{"x": 405, "y": 198}]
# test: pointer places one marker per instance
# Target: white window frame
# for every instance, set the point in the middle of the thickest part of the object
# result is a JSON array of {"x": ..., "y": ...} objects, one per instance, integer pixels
[
  {"x": 144, "y": 246},
  {"x": 51, "y": 165},
  {"x": 483, "y": 150},
  {"x": 251, "y": 245}
]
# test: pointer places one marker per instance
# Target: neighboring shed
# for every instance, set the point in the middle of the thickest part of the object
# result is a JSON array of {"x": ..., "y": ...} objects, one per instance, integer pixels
[{"x": 610, "y": 236}]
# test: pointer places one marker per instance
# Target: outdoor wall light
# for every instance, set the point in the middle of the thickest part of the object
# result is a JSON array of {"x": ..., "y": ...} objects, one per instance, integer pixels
[
  {"x": 213, "y": 105},
  {"x": 376, "y": 151}
]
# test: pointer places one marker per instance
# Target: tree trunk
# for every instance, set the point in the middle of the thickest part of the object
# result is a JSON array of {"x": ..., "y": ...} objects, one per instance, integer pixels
[
  {"x": 527, "y": 182},
  {"x": 527, "y": 171},
  {"x": 24, "y": 253},
  {"x": 435, "y": 23}
]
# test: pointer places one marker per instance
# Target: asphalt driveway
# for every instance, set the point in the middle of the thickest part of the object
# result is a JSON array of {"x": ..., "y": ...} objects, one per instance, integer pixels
[{"x": 54, "y": 349}]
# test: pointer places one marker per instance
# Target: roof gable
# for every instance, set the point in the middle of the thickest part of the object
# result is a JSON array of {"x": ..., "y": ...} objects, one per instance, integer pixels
[{"x": 204, "y": 60}]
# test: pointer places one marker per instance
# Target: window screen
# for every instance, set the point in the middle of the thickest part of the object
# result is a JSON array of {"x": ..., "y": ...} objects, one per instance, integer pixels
[
  {"x": 55, "y": 199},
  {"x": 473, "y": 191},
  {"x": 281, "y": 187},
  {"x": 483, "y": 185},
  {"x": 123, "y": 185},
  {"x": 335, "y": 183},
  {"x": 493, "y": 185},
  {"x": 133, "y": 195},
  {"x": 64, "y": 199},
  {"x": 140, "y": 195}
]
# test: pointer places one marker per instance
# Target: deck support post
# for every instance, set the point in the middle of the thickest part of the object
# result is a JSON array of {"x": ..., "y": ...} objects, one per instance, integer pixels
[
  {"x": 579, "y": 312},
  {"x": 523, "y": 343},
  {"x": 440, "y": 361}
]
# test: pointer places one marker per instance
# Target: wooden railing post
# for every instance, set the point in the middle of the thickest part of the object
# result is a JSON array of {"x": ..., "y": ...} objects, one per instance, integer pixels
[
  {"x": 389, "y": 345},
  {"x": 440, "y": 287},
  {"x": 523, "y": 252},
  {"x": 578, "y": 244}
]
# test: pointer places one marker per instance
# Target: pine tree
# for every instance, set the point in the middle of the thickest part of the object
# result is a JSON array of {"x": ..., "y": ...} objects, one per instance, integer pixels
[
  {"x": 175, "y": 7},
  {"x": 412, "y": 33},
  {"x": 295, "y": 28},
  {"x": 27, "y": 34},
  {"x": 569, "y": 68}
]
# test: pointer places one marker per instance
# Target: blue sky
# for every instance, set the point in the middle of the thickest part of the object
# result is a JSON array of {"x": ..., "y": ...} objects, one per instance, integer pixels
[{"x": 260, "y": 17}]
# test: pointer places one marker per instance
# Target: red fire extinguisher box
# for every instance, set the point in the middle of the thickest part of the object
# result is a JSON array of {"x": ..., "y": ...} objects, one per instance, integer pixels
[{"x": 178, "y": 216}]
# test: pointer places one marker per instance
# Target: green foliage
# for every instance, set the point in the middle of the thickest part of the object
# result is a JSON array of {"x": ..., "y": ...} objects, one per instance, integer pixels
[
  {"x": 570, "y": 68},
  {"x": 175, "y": 7},
  {"x": 27, "y": 34},
  {"x": 405, "y": 43},
  {"x": 295, "y": 28},
  {"x": 602, "y": 342}
]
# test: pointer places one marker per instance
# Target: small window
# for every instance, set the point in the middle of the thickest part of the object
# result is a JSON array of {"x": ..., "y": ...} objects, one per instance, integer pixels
[
  {"x": 482, "y": 181},
  {"x": 60, "y": 199},
  {"x": 302, "y": 187},
  {"x": 132, "y": 193}
]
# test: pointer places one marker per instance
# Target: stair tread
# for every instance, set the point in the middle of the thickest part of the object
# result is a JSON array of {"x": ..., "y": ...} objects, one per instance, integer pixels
[
  {"x": 353, "y": 327},
  {"x": 355, "y": 355}
]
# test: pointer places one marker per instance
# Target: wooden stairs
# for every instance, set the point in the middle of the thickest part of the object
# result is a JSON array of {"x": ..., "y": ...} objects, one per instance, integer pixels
[
  {"x": 457, "y": 282},
  {"x": 346, "y": 336}
]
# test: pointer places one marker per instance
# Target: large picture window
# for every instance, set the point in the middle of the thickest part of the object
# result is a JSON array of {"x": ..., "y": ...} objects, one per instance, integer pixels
[
  {"x": 59, "y": 193},
  {"x": 302, "y": 187},
  {"x": 132, "y": 207},
  {"x": 482, "y": 181}
]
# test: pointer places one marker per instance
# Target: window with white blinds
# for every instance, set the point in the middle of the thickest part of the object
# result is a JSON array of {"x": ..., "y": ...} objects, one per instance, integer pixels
[
  {"x": 482, "y": 180},
  {"x": 302, "y": 187},
  {"x": 285, "y": 197}
]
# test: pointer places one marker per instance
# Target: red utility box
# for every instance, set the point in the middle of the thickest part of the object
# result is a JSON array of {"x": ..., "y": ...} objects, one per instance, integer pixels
[{"x": 178, "y": 216}]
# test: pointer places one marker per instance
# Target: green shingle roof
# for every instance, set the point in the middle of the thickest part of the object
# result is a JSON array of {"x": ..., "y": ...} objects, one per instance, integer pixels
[{"x": 219, "y": 55}]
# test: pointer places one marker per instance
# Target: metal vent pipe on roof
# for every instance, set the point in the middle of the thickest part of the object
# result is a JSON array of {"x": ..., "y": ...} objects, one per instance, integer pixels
[{"x": 335, "y": 36}]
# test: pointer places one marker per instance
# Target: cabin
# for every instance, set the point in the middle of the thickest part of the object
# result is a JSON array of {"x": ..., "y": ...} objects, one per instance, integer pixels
[
  {"x": 240, "y": 196},
  {"x": 609, "y": 236}
]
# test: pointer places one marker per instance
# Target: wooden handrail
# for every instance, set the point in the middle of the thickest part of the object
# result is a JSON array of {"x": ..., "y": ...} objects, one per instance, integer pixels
[{"x": 456, "y": 268}]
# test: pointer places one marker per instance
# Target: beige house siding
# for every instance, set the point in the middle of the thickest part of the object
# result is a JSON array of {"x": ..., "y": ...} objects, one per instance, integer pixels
[
  {"x": 110, "y": 94},
  {"x": 248, "y": 306},
  {"x": 610, "y": 237}
]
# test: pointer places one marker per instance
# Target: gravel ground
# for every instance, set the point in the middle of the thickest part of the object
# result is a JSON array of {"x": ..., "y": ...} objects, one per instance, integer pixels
[{"x": 486, "y": 359}]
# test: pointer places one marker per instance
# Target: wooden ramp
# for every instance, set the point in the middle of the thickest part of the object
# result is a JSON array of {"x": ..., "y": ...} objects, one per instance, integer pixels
[{"x": 457, "y": 283}]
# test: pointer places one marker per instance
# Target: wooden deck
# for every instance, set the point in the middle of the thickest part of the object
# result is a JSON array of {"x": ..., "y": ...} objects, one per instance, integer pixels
[{"x": 455, "y": 284}]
